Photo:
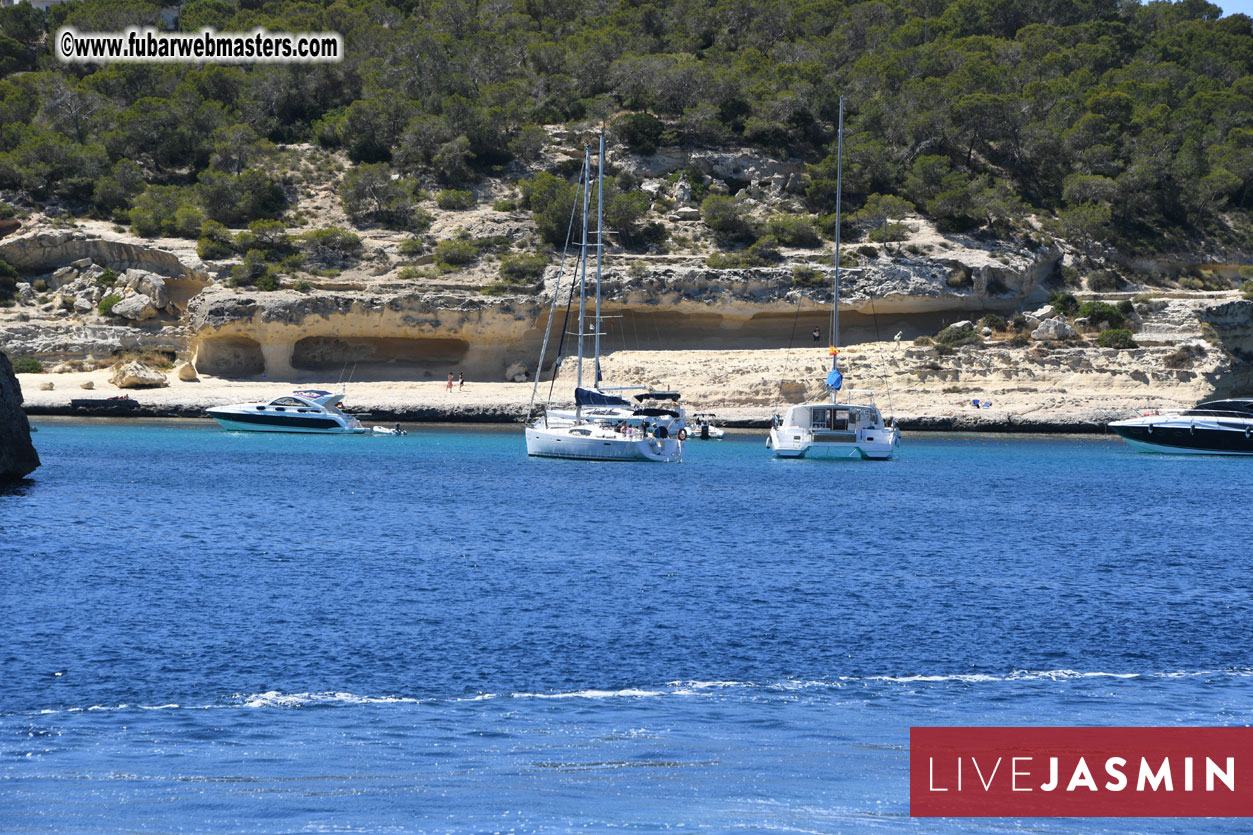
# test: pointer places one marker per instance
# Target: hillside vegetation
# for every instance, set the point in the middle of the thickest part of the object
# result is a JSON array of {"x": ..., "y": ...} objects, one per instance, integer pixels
[{"x": 1102, "y": 121}]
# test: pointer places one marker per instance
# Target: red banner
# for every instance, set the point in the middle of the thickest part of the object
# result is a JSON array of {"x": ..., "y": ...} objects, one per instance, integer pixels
[{"x": 1081, "y": 772}]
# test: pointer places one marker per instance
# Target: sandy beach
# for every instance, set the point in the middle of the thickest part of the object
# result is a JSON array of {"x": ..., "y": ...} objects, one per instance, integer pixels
[{"x": 1063, "y": 390}]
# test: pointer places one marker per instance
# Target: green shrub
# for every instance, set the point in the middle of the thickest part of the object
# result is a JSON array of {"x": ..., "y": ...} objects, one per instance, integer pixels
[
  {"x": 506, "y": 204},
  {"x": 1116, "y": 338},
  {"x": 551, "y": 201},
  {"x": 455, "y": 252},
  {"x": 1185, "y": 356},
  {"x": 301, "y": 286},
  {"x": 1247, "y": 289},
  {"x": 267, "y": 280},
  {"x": 1097, "y": 312},
  {"x": 1104, "y": 281},
  {"x": 8, "y": 281},
  {"x": 726, "y": 218},
  {"x": 868, "y": 250},
  {"x": 1064, "y": 303},
  {"x": 640, "y": 131},
  {"x": 761, "y": 254},
  {"x": 806, "y": 276},
  {"x": 1019, "y": 323},
  {"x": 1126, "y": 308},
  {"x": 27, "y": 365},
  {"x": 215, "y": 241},
  {"x": 453, "y": 200},
  {"x": 40, "y": 286},
  {"x": 1019, "y": 340},
  {"x": 793, "y": 230},
  {"x": 992, "y": 321},
  {"x": 329, "y": 247},
  {"x": 523, "y": 268},
  {"x": 105, "y": 307},
  {"x": 412, "y": 247},
  {"x": 955, "y": 337}
]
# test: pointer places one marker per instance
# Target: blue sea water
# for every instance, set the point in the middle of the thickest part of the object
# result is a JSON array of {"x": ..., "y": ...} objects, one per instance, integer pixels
[{"x": 217, "y": 632}]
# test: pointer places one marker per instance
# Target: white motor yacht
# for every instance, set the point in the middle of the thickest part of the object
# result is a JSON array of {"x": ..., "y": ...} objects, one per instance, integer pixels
[{"x": 303, "y": 411}]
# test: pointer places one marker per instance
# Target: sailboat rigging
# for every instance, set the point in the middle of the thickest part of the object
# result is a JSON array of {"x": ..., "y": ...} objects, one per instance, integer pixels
[{"x": 833, "y": 429}]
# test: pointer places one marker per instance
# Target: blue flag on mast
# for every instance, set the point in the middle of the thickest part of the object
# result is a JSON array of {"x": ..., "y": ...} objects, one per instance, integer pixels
[{"x": 835, "y": 379}]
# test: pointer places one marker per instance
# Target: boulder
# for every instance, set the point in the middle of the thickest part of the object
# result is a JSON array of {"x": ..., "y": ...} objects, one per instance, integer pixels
[
  {"x": 1046, "y": 312},
  {"x": 686, "y": 213},
  {"x": 48, "y": 386},
  {"x": 1054, "y": 329},
  {"x": 17, "y": 454},
  {"x": 89, "y": 385},
  {"x": 153, "y": 286},
  {"x": 136, "y": 308},
  {"x": 682, "y": 191},
  {"x": 25, "y": 293},
  {"x": 83, "y": 305},
  {"x": 963, "y": 325},
  {"x": 82, "y": 264},
  {"x": 516, "y": 373},
  {"x": 8, "y": 226},
  {"x": 187, "y": 373},
  {"x": 135, "y": 375}
]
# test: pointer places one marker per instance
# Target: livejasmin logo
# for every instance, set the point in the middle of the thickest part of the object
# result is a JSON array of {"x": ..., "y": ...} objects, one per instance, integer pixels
[{"x": 1073, "y": 772}]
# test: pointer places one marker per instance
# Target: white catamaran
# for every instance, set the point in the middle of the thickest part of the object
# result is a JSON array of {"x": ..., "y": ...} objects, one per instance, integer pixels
[
  {"x": 604, "y": 426},
  {"x": 833, "y": 429}
]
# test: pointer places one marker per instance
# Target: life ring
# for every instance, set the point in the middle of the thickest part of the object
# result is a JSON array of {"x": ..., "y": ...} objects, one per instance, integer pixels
[{"x": 682, "y": 434}]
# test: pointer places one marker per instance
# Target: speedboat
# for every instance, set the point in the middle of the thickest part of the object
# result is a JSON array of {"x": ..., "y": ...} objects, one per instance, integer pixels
[
  {"x": 1219, "y": 427},
  {"x": 702, "y": 427},
  {"x": 834, "y": 430},
  {"x": 303, "y": 411}
]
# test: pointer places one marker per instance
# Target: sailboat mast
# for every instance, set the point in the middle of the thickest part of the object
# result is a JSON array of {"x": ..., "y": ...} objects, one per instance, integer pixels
[
  {"x": 835, "y": 288},
  {"x": 600, "y": 244},
  {"x": 587, "y": 179}
]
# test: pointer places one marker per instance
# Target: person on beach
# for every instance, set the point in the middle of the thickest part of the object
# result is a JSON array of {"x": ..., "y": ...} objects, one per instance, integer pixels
[
  {"x": 461, "y": 382},
  {"x": 817, "y": 334},
  {"x": 450, "y": 381}
]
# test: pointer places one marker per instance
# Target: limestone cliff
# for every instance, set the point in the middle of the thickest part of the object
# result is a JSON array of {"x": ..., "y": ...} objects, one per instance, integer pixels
[{"x": 17, "y": 454}]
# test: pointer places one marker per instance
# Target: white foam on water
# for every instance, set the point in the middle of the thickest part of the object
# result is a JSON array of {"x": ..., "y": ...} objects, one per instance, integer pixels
[{"x": 277, "y": 698}]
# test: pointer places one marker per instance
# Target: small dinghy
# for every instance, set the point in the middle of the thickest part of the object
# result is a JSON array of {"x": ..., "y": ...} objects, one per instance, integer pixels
[{"x": 389, "y": 430}]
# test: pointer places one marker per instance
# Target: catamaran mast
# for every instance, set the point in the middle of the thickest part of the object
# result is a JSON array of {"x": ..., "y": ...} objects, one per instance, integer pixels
[
  {"x": 600, "y": 244},
  {"x": 835, "y": 288},
  {"x": 587, "y": 162}
]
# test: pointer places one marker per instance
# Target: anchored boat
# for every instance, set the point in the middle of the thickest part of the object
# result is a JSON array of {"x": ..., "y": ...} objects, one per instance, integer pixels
[
  {"x": 1219, "y": 427},
  {"x": 833, "y": 429},
  {"x": 304, "y": 411}
]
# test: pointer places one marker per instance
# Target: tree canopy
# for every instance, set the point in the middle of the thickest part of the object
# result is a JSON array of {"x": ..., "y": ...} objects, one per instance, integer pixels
[{"x": 1128, "y": 119}]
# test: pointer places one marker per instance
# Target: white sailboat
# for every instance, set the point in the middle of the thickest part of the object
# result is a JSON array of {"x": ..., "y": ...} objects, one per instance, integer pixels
[
  {"x": 604, "y": 425},
  {"x": 831, "y": 429}
]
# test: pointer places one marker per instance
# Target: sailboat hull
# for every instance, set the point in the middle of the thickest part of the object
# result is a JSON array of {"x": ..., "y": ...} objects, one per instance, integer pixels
[{"x": 584, "y": 443}]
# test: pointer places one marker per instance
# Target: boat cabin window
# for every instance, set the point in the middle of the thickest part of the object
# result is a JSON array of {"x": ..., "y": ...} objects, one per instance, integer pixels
[
  {"x": 834, "y": 418},
  {"x": 286, "y": 401}
]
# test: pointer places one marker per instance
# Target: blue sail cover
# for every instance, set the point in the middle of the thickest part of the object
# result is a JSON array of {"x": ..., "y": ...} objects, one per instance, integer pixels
[
  {"x": 591, "y": 397},
  {"x": 835, "y": 379}
]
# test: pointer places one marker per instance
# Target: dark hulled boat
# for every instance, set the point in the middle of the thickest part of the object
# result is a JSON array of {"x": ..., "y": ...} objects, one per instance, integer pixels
[{"x": 1219, "y": 427}]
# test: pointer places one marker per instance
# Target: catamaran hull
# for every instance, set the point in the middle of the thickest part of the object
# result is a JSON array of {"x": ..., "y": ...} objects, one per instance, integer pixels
[
  {"x": 548, "y": 443},
  {"x": 866, "y": 450}
]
